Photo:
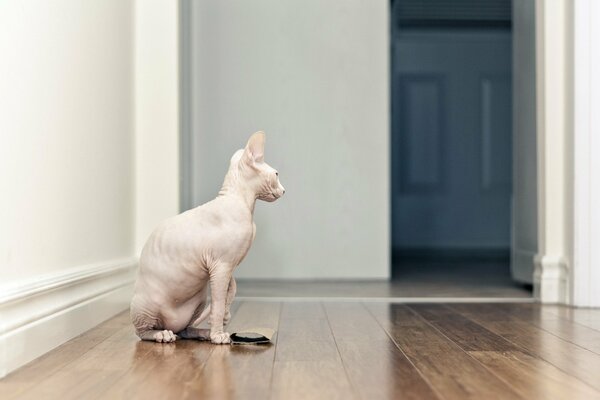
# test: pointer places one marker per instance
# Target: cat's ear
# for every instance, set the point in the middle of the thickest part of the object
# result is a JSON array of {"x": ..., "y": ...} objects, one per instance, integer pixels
[{"x": 255, "y": 148}]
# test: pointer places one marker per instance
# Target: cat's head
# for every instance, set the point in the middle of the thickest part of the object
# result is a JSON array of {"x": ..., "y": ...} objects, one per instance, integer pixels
[{"x": 257, "y": 175}]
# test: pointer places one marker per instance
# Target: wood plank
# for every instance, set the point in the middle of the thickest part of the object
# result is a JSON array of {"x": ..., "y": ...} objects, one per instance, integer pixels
[
  {"x": 38, "y": 370},
  {"x": 567, "y": 329},
  {"x": 310, "y": 380},
  {"x": 298, "y": 349},
  {"x": 447, "y": 368},
  {"x": 568, "y": 357},
  {"x": 108, "y": 360},
  {"x": 534, "y": 378},
  {"x": 353, "y": 322},
  {"x": 166, "y": 370},
  {"x": 306, "y": 328},
  {"x": 81, "y": 384},
  {"x": 521, "y": 371},
  {"x": 302, "y": 310},
  {"x": 469, "y": 335},
  {"x": 376, "y": 367},
  {"x": 307, "y": 361},
  {"x": 160, "y": 370},
  {"x": 124, "y": 367},
  {"x": 240, "y": 371},
  {"x": 304, "y": 334},
  {"x": 580, "y": 335},
  {"x": 589, "y": 317}
]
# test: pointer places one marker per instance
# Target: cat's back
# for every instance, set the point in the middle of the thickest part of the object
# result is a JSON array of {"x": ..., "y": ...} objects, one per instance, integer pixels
[{"x": 210, "y": 226}]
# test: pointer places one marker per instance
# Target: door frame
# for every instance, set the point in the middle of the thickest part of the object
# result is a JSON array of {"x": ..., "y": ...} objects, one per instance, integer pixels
[
  {"x": 586, "y": 160},
  {"x": 566, "y": 266}
]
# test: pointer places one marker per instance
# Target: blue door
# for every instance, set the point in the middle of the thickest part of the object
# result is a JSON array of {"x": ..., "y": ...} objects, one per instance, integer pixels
[{"x": 451, "y": 141}]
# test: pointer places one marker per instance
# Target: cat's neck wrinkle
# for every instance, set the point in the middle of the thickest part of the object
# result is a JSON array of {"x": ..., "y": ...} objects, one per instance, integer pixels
[{"x": 232, "y": 187}]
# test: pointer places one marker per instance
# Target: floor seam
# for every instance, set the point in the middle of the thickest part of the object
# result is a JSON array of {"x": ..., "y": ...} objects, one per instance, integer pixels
[
  {"x": 275, "y": 352},
  {"x": 338, "y": 350},
  {"x": 431, "y": 386}
]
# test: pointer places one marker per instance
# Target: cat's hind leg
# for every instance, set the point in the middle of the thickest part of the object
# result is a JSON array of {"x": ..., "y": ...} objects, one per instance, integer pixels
[
  {"x": 164, "y": 336},
  {"x": 146, "y": 327}
]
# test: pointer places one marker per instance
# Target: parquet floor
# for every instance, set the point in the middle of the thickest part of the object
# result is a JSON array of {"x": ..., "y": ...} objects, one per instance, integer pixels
[{"x": 337, "y": 350}]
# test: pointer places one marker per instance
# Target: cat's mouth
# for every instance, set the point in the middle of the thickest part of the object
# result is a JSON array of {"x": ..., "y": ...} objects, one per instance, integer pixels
[{"x": 270, "y": 197}]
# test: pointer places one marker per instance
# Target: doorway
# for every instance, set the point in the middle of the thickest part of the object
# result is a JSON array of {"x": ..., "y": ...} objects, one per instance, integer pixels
[{"x": 452, "y": 142}]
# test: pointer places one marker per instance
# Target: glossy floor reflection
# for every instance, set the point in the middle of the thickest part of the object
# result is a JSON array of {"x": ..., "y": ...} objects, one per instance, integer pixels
[
  {"x": 345, "y": 350},
  {"x": 424, "y": 279}
]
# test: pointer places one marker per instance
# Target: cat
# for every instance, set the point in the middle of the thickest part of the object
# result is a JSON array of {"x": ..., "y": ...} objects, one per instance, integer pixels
[{"x": 200, "y": 248}]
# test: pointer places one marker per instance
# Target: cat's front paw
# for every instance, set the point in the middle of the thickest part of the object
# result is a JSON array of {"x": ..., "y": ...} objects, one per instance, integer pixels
[{"x": 220, "y": 338}]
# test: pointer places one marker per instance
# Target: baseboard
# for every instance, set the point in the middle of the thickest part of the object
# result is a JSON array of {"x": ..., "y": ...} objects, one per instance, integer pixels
[
  {"x": 40, "y": 314},
  {"x": 550, "y": 279}
]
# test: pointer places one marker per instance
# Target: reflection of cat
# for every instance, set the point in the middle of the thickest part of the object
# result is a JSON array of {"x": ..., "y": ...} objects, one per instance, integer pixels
[{"x": 199, "y": 247}]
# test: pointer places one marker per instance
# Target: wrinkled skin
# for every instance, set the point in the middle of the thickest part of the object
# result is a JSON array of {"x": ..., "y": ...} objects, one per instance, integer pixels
[{"x": 200, "y": 248}]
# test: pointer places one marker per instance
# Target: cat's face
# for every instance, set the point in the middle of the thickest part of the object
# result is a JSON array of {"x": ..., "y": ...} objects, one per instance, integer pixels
[{"x": 258, "y": 175}]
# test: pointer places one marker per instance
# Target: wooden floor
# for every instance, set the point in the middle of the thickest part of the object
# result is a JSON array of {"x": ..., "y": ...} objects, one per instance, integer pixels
[{"x": 343, "y": 350}]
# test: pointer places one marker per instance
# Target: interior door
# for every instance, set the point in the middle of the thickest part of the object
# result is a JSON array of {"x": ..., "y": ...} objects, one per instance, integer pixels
[
  {"x": 452, "y": 140},
  {"x": 524, "y": 217}
]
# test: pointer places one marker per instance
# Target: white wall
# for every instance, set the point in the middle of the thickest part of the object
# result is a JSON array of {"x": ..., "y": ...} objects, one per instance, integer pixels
[
  {"x": 156, "y": 114},
  {"x": 89, "y": 160},
  {"x": 66, "y": 126},
  {"x": 314, "y": 76},
  {"x": 67, "y": 176}
]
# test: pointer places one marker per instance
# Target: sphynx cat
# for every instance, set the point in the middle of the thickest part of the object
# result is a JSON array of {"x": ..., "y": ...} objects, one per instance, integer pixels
[{"x": 200, "y": 248}]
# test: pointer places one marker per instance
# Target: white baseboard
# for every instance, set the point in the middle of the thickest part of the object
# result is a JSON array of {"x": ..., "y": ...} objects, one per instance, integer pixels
[
  {"x": 550, "y": 280},
  {"x": 42, "y": 313}
]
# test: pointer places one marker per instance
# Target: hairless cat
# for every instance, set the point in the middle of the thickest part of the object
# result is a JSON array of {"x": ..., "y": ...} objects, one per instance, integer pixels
[{"x": 200, "y": 248}]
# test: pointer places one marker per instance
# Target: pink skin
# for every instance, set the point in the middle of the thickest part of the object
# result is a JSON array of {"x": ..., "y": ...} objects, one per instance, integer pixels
[{"x": 202, "y": 247}]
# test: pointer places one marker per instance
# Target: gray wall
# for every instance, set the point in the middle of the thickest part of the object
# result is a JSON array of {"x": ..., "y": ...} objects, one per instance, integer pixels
[{"x": 314, "y": 76}]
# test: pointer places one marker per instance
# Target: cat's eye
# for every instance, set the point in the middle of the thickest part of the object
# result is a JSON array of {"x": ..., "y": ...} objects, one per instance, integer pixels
[{"x": 276, "y": 173}]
